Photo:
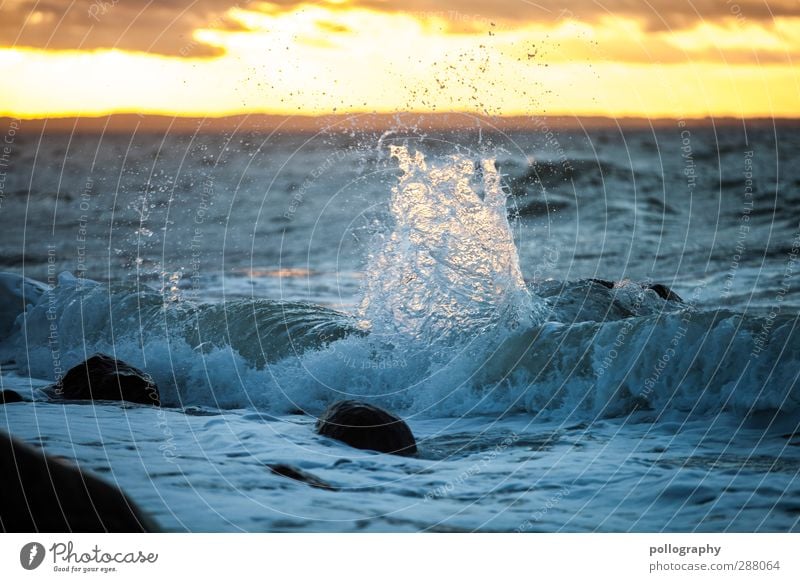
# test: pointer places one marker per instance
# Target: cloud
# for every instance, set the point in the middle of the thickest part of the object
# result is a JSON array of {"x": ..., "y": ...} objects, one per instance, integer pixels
[
  {"x": 153, "y": 26},
  {"x": 655, "y": 14},
  {"x": 621, "y": 41},
  {"x": 166, "y": 26}
]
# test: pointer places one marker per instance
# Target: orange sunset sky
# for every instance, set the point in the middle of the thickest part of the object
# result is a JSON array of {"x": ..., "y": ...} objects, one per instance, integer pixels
[{"x": 651, "y": 58}]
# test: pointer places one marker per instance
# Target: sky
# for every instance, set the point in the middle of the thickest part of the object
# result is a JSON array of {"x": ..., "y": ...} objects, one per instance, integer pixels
[{"x": 647, "y": 58}]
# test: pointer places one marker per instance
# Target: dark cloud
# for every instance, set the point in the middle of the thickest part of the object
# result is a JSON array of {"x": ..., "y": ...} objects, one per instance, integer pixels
[
  {"x": 154, "y": 26},
  {"x": 166, "y": 26},
  {"x": 656, "y": 14}
]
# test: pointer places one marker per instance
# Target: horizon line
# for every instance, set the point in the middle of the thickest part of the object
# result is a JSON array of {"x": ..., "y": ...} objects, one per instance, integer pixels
[{"x": 457, "y": 120}]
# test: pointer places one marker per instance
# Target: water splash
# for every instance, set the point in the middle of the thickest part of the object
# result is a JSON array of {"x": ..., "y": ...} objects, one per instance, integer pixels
[{"x": 449, "y": 267}]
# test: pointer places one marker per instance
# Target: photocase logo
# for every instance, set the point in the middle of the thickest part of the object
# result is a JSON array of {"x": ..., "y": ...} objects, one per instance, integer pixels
[{"x": 32, "y": 555}]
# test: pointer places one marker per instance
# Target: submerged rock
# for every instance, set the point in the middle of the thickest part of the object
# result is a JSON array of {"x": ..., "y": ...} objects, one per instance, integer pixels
[
  {"x": 368, "y": 427},
  {"x": 603, "y": 283},
  {"x": 102, "y": 377},
  {"x": 584, "y": 300},
  {"x": 9, "y": 396},
  {"x": 300, "y": 475},
  {"x": 665, "y": 292},
  {"x": 43, "y": 494},
  {"x": 603, "y": 300}
]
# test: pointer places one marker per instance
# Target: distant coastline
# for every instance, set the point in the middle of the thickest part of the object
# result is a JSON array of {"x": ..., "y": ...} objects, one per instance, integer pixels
[{"x": 126, "y": 122}]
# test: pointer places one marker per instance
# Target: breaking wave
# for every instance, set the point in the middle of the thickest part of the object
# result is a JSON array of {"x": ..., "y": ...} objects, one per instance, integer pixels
[{"x": 447, "y": 326}]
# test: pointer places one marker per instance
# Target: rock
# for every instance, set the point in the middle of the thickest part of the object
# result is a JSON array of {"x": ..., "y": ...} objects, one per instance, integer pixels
[
  {"x": 104, "y": 378},
  {"x": 583, "y": 300},
  {"x": 300, "y": 475},
  {"x": 538, "y": 207},
  {"x": 364, "y": 426},
  {"x": 43, "y": 494},
  {"x": 665, "y": 292},
  {"x": 9, "y": 396},
  {"x": 603, "y": 282},
  {"x": 603, "y": 300}
]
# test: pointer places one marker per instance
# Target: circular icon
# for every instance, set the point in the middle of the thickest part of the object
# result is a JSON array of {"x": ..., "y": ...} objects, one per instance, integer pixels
[{"x": 31, "y": 555}]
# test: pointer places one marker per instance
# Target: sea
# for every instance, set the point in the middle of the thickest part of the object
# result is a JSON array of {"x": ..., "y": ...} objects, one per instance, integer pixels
[{"x": 587, "y": 329}]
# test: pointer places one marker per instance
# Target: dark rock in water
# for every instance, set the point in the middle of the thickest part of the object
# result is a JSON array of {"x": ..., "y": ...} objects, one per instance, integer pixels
[
  {"x": 104, "y": 378},
  {"x": 665, "y": 292},
  {"x": 603, "y": 282},
  {"x": 583, "y": 300},
  {"x": 364, "y": 426},
  {"x": 9, "y": 396},
  {"x": 42, "y": 494},
  {"x": 540, "y": 208},
  {"x": 300, "y": 475},
  {"x": 602, "y": 300}
]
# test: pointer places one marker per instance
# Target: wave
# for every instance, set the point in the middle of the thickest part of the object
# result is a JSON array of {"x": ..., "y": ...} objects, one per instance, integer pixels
[
  {"x": 447, "y": 327},
  {"x": 603, "y": 353},
  {"x": 64, "y": 324}
]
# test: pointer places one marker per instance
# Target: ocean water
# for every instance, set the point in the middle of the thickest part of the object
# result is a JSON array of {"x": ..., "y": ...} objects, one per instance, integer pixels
[{"x": 492, "y": 288}]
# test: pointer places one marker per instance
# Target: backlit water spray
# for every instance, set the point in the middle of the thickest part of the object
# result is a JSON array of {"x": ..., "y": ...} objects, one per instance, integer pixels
[{"x": 449, "y": 267}]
